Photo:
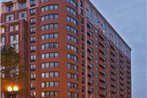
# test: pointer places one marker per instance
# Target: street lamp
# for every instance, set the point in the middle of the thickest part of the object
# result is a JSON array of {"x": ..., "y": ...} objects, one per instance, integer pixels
[{"x": 12, "y": 91}]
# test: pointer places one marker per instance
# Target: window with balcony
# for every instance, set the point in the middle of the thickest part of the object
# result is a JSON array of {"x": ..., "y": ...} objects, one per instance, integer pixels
[
  {"x": 22, "y": 5},
  {"x": 22, "y": 15},
  {"x": 9, "y": 8},
  {"x": 2, "y": 29},
  {"x": 14, "y": 38},
  {"x": 9, "y": 18},
  {"x": 14, "y": 28}
]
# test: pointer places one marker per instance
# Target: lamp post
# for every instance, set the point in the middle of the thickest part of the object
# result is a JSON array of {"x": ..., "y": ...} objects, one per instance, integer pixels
[{"x": 12, "y": 91}]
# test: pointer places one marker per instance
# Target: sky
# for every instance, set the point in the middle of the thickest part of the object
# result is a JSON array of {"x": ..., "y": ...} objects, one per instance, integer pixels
[{"x": 128, "y": 17}]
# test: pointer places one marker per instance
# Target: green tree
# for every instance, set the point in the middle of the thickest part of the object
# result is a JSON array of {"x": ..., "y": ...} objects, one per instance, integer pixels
[{"x": 11, "y": 68}]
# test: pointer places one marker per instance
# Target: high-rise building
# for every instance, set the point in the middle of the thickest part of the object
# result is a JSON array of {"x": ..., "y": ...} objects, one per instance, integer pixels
[{"x": 68, "y": 49}]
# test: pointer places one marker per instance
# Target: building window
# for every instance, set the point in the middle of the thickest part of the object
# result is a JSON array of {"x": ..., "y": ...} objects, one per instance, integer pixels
[
  {"x": 32, "y": 21},
  {"x": 89, "y": 25},
  {"x": 72, "y": 2},
  {"x": 33, "y": 39},
  {"x": 72, "y": 57},
  {"x": 14, "y": 28},
  {"x": 72, "y": 76},
  {"x": 72, "y": 95},
  {"x": 49, "y": 36},
  {"x": 21, "y": 5},
  {"x": 9, "y": 18},
  {"x": 72, "y": 85},
  {"x": 49, "y": 94},
  {"x": 33, "y": 57},
  {"x": 42, "y": 1},
  {"x": 32, "y": 67},
  {"x": 49, "y": 7},
  {"x": 32, "y": 29},
  {"x": 72, "y": 48},
  {"x": 49, "y": 45},
  {"x": 32, "y": 3},
  {"x": 50, "y": 26},
  {"x": 2, "y": 29},
  {"x": 14, "y": 39},
  {"x": 72, "y": 66},
  {"x": 51, "y": 74},
  {"x": 33, "y": 76},
  {"x": 71, "y": 11},
  {"x": 90, "y": 13},
  {"x": 72, "y": 39},
  {"x": 33, "y": 94},
  {"x": 32, "y": 86},
  {"x": 33, "y": 48},
  {"x": 71, "y": 29},
  {"x": 50, "y": 84},
  {"x": 22, "y": 15},
  {"x": 16, "y": 46},
  {"x": 96, "y": 20},
  {"x": 71, "y": 20},
  {"x": 32, "y": 11},
  {"x": 89, "y": 42},
  {"x": 50, "y": 17},
  {"x": 2, "y": 41},
  {"x": 9, "y": 8},
  {"x": 50, "y": 55},
  {"x": 50, "y": 65}
]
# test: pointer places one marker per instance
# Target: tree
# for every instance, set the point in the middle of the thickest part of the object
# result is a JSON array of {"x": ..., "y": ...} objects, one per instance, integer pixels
[{"x": 11, "y": 71}]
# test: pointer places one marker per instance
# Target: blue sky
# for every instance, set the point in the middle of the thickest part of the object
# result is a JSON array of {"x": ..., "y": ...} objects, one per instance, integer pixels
[{"x": 128, "y": 17}]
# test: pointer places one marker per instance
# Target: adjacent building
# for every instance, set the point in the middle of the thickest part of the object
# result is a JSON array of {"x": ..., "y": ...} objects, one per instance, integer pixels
[{"x": 68, "y": 49}]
